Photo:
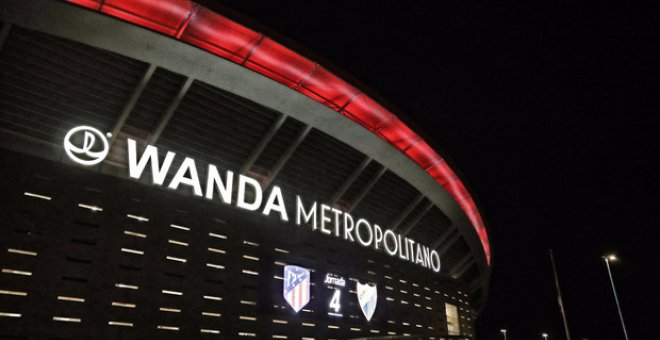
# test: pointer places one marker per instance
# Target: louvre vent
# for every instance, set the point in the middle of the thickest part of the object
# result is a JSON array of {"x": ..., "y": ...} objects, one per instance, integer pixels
[
  {"x": 387, "y": 199},
  {"x": 216, "y": 126},
  {"x": 319, "y": 166},
  {"x": 50, "y": 84},
  {"x": 431, "y": 227},
  {"x": 416, "y": 214},
  {"x": 153, "y": 102},
  {"x": 278, "y": 145},
  {"x": 459, "y": 249},
  {"x": 471, "y": 275},
  {"x": 361, "y": 181}
]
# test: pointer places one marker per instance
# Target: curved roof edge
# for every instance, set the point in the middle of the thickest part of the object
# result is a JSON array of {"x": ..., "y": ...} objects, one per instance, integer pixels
[{"x": 196, "y": 25}]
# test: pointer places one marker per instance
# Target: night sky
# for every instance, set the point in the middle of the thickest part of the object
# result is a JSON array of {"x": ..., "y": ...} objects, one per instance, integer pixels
[{"x": 547, "y": 111}]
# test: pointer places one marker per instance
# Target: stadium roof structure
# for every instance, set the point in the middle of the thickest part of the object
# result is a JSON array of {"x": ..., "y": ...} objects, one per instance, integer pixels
[{"x": 192, "y": 24}]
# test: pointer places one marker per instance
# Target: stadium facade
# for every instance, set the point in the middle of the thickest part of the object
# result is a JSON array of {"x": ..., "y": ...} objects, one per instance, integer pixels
[{"x": 169, "y": 172}]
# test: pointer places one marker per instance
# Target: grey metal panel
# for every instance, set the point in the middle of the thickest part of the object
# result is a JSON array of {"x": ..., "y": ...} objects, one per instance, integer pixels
[
  {"x": 414, "y": 222},
  {"x": 171, "y": 108},
  {"x": 349, "y": 181},
  {"x": 262, "y": 144},
  {"x": 403, "y": 214},
  {"x": 364, "y": 191},
  {"x": 286, "y": 156},
  {"x": 132, "y": 100}
]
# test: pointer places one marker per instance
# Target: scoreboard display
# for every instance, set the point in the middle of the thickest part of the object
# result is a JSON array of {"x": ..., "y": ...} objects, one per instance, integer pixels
[{"x": 297, "y": 292}]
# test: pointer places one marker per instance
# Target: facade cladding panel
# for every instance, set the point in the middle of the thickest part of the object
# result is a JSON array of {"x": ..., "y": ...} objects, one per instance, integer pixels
[
  {"x": 153, "y": 101},
  {"x": 86, "y": 85},
  {"x": 90, "y": 252},
  {"x": 216, "y": 126}
]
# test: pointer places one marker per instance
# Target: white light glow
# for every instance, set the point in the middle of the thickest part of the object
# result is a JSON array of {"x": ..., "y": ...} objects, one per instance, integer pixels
[
  {"x": 91, "y": 207},
  {"x": 66, "y": 319},
  {"x": 43, "y": 197},
  {"x": 137, "y": 218},
  {"x": 16, "y": 272},
  {"x": 70, "y": 299}
]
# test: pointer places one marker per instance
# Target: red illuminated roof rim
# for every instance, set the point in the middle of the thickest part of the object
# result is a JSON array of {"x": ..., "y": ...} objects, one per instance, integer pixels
[
  {"x": 196, "y": 25},
  {"x": 320, "y": 59}
]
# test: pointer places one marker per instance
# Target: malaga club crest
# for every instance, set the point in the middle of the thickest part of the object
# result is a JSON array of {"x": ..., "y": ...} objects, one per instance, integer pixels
[
  {"x": 367, "y": 297},
  {"x": 296, "y": 287}
]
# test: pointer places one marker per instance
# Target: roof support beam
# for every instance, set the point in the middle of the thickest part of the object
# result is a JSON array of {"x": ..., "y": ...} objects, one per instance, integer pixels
[
  {"x": 349, "y": 181},
  {"x": 450, "y": 242},
  {"x": 4, "y": 32},
  {"x": 256, "y": 152},
  {"x": 286, "y": 156},
  {"x": 402, "y": 216},
  {"x": 419, "y": 217},
  {"x": 481, "y": 282},
  {"x": 459, "y": 267},
  {"x": 130, "y": 104},
  {"x": 466, "y": 266},
  {"x": 366, "y": 189},
  {"x": 443, "y": 238},
  {"x": 169, "y": 112}
]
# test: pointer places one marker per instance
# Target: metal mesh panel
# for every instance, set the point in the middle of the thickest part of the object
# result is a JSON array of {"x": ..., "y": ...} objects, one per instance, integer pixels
[
  {"x": 319, "y": 166},
  {"x": 278, "y": 145},
  {"x": 387, "y": 199},
  {"x": 431, "y": 227},
  {"x": 50, "y": 84},
  {"x": 214, "y": 125},
  {"x": 455, "y": 253},
  {"x": 153, "y": 102}
]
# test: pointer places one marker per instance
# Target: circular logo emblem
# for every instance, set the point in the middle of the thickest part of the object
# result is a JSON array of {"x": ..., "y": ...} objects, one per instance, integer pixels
[{"x": 86, "y": 145}]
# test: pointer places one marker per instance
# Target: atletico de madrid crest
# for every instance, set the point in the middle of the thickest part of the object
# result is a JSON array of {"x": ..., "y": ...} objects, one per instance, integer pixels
[
  {"x": 296, "y": 287},
  {"x": 367, "y": 297}
]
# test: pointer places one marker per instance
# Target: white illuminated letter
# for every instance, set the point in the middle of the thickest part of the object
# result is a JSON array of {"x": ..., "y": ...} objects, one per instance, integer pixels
[
  {"x": 348, "y": 227},
  {"x": 275, "y": 202},
  {"x": 419, "y": 258},
  {"x": 337, "y": 212},
  {"x": 335, "y": 301},
  {"x": 325, "y": 209},
  {"x": 213, "y": 181},
  {"x": 360, "y": 222},
  {"x": 435, "y": 261},
  {"x": 136, "y": 168},
  {"x": 307, "y": 216},
  {"x": 378, "y": 235},
  {"x": 188, "y": 166},
  {"x": 402, "y": 246},
  {"x": 242, "y": 181},
  {"x": 390, "y": 233},
  {"x": 411, "y": 249},
  {"x": 427, "y": 256}
]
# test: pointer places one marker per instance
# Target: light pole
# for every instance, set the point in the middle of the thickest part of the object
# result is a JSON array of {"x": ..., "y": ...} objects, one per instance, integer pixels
[
  {"x": 608, "y": 258},
  {"x": 545, "y": 336},
  {"x": 503, "y": 331}
]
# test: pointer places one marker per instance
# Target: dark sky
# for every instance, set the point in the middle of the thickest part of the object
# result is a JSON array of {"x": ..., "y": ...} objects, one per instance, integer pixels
[{"x": 549, "y": 112}]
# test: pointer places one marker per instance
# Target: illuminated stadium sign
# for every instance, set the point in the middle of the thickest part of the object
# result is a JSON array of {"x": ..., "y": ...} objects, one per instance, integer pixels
[
  {"x": 90, "y": 152},
  {"x": 296, "y": 287},
  {"x": 280, "y": 210},
  {"x": 80, "y": 145}
]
